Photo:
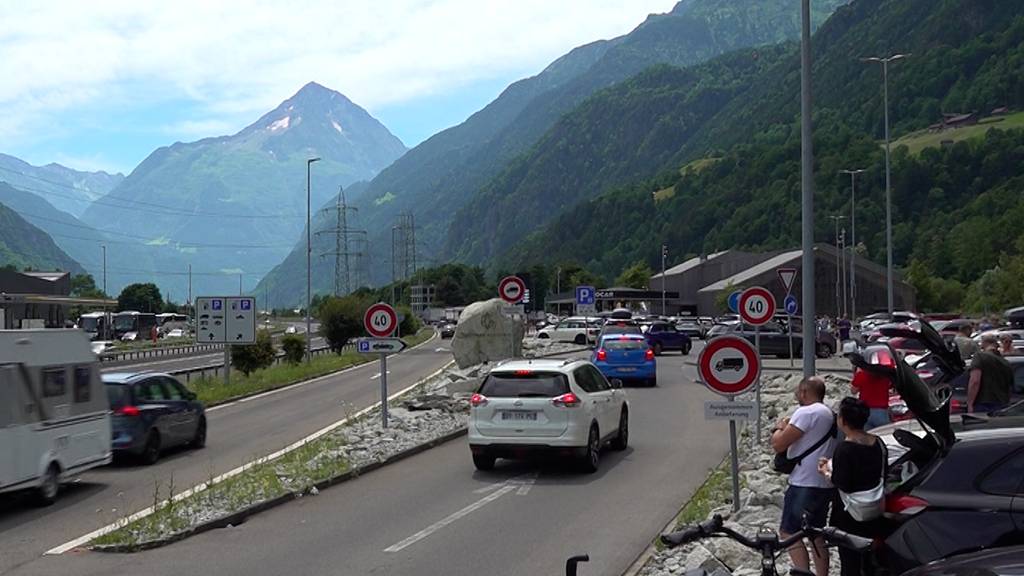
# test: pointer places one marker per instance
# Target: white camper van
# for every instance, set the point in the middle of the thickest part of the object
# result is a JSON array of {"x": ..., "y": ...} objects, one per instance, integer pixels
[{"x": 54, "y": 412}]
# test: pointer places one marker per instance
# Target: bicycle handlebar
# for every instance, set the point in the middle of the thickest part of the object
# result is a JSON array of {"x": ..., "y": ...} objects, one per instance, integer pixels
[{"x": 715, "y": 527}]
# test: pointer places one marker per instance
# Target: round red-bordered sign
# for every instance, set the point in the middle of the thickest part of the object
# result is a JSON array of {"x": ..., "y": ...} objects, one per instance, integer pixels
[
  {"x": 512, "y": 289},
  {"x": 729, "y": 365},
  {"x": 757, "y": 306},
  {"x": 380, "y": 320}
]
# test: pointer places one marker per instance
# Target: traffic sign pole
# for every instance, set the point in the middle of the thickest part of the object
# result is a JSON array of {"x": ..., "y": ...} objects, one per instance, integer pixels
[
  {"x": 384, "y": 390},
  {"x": 735, "y": 457},
  {"x": 757, "y": 393},
  {"x": 381, "y": 321},
  {"x": 227, "y": 364},
  {"x": 789, "y": 328}
]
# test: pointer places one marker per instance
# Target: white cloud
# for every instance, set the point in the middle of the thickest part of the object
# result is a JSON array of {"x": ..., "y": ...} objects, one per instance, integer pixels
[{"x": 238, "y": 59}]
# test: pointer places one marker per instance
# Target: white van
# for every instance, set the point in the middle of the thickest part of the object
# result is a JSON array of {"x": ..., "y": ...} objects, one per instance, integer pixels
[{"x": 54, "y": 412}]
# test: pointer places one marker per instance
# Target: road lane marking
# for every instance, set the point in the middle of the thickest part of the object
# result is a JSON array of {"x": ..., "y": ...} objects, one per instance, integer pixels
[
  {"x": 520, "y": 485},
  {"x": 377, "y": 375},
  {"x": 442, "y": 523},
  {"x": 82, "y": 540}
]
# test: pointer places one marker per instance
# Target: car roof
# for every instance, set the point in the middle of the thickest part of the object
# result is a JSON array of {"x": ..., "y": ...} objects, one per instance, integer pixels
[
  {"x": 626, "y": 336},
  {"x": 124, "y": 377},
  {"x": 550, "y": 364}
]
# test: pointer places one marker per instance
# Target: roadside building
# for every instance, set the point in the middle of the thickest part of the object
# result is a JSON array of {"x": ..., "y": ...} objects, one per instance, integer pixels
[
  {"x": 686, "y": 279},
  {"x": 40, "y": 300}
]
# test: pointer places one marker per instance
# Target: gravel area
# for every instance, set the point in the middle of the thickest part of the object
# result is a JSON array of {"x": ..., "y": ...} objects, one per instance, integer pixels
[{"x": 761, "y": 492}]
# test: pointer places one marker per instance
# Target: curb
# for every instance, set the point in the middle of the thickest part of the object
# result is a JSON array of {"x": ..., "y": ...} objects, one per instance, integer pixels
[{"x": 241, "y": 516}]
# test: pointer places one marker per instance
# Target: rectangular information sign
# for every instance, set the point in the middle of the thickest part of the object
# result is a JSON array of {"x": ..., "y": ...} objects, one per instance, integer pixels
[{"x": 725, "y": 410}]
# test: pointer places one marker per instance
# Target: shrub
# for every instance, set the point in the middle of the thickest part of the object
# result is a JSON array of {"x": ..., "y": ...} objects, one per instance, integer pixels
[
  {"x": 294, "y": 347},
  {"x": 410, "y": 324},
  {"x": 248, "y": 358},
  {"x": 341, "y": 319}
]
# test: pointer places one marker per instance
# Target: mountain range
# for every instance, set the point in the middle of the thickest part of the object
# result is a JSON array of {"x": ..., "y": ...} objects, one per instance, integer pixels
[
  {"x": 23, "y": 245},
  {"x": 66, "y": 189},
  {"x": 443, "y": 174}
]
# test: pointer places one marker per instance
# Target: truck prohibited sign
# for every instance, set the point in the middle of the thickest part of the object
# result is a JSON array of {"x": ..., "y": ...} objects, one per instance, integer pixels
[
  {"x": 757, "y": 306},
  {"x": 380, "y": 320},
  {"x": 512, "y": 289},
  {"x": 729, "y": 365}
]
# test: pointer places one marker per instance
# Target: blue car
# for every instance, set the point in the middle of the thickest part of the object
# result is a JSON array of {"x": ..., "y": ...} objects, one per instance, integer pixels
[
  {"x": 664, "y": 336},
  {"x": 152, "y": 412},
  {"x": 626, "y": 357}
]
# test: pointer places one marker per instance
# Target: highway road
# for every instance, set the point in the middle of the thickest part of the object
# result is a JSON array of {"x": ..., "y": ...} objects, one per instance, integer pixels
[
  {"x": 160, "y": 364},
  {"x": 435, "y": 514},
  {"x": 238, "y": 433}
]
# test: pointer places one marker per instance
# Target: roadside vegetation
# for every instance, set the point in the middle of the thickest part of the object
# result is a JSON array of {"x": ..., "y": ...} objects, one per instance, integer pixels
[{"x": 212, "y": 390}]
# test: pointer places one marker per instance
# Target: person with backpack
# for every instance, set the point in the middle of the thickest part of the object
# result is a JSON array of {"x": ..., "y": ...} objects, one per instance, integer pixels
[
  {"x": 857, "y": 470},
  {"x": 799, "y": 442}
]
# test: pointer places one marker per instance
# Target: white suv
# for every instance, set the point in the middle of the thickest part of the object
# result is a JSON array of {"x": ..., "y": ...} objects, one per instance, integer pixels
[
  {"x": 562, "y": 406},
  {"x": 577, "y": 329}
]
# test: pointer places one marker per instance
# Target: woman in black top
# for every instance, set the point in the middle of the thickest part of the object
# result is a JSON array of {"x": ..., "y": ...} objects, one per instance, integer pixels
[{"x": 856, "y": 466}]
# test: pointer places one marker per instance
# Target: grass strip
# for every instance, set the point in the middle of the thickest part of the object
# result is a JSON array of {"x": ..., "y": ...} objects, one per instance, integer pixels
[
  {"x": 295, "y": 472},
  {"x": 213, "y": 391}
]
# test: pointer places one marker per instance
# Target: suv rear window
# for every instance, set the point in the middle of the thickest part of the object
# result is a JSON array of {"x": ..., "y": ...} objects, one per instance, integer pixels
[
  {"x": 513, "y": 385},
  {"x": 629, "y": 344}
]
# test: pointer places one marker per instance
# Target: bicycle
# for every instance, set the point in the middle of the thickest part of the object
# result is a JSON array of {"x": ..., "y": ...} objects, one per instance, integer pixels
[{"x": 766, "y": 541}]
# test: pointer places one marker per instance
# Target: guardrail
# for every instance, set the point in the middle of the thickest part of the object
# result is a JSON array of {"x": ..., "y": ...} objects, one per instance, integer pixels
[
  {"x": 160, "y": 351},
  {"x": 216, "y": 369}
]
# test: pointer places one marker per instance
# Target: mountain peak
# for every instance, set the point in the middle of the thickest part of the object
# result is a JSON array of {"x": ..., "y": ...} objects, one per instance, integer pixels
[{"x": 317, "y": 95}]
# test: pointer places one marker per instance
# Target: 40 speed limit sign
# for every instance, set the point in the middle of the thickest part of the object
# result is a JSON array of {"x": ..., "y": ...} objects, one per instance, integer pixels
[
  {"x": 757, "y": 306},
  {"x": 380, "y": 320}
]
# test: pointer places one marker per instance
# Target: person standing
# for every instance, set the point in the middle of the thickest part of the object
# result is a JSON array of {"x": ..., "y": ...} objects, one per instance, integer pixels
[
  {"x": 857, "y": 466},
  {"x": 964, "y": 343},
  {"x": 808, "y": 493},
  {"x": 844, "y": 329},
  {"x": 991, "y": 378}
]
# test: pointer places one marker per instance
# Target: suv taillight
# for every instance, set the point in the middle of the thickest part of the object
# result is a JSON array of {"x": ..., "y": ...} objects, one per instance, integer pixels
[
  {"x": 649, "y": 355},
  {"x": 905, "y": 505},
  {"x": 127, "y": 411},
  {"x": 602, "y": 355},
  {"x": 477, "y": 400},
  {"x": 569, "y": 400}
]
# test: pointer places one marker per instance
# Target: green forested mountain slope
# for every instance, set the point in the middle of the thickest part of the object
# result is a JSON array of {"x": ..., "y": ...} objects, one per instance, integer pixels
[
  {"x": 583, "y": 155},
  {"x": 22, "y": 245}
]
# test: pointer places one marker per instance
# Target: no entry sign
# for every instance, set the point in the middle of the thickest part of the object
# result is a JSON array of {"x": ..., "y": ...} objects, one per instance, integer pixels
[
  {"x": 729, "y": 365},
  {"x": 380, "y": 320},
  {"x": 757, "y": 306},
  {"x": 512, "y": 289}
]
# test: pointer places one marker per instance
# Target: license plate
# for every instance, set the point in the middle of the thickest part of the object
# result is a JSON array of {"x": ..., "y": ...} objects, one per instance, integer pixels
[
  {"x": 519, "y": 415},
  {"x": 628, "y": 369}
]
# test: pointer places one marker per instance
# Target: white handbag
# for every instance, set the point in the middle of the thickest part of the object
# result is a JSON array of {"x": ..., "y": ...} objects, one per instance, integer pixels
[{"x": 867, "y": 504}]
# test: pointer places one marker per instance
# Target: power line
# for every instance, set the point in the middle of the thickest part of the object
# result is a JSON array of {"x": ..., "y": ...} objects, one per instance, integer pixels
[{"x": 344, "y": 240}]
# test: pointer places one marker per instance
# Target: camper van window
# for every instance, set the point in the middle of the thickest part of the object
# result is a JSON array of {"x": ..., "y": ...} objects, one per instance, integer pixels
[
  {"x": 83, "y": 384},
  {"x": 53, "y": 383}
]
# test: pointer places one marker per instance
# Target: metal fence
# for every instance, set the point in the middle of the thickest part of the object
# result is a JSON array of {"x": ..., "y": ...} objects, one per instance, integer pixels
[
  {"x": 158, "y": 352},
  {"x": 216, "y": 369}
]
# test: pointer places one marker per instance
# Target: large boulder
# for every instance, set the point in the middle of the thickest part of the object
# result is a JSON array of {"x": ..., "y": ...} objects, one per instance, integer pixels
[{"x": 484, "y": 334}]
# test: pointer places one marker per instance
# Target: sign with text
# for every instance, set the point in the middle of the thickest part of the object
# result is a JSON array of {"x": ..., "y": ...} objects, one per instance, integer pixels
[
  {"x": 380, "y": 345},
  {"x": 226, "y": 320},
  {"x": 725, "y": 410}
]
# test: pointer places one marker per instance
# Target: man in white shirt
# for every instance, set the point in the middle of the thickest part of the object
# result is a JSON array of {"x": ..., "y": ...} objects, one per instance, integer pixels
[{"x": 809, "y": 493}]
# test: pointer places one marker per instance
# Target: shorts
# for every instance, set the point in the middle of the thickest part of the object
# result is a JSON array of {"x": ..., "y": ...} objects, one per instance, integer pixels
[{"x": 801, "y": 500}]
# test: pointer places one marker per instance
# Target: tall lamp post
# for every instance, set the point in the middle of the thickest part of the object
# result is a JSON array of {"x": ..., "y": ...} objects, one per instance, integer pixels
[
  {"x": 106, "y": 319},
  {"x": 309, "y": 254},
  {"x": 807, "y": 189},
  {"x": 664, "y": 254},
  {"x": 853, "y": 239},
  {"x": 888, "y": 177},
  {"x": 839, "y": 269}
]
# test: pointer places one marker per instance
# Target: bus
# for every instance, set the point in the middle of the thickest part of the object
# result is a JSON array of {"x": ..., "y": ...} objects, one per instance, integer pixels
[
  {"x": 95, "y": 324},
  {"x": 130, "y": 322},
  {"x": 166, "y": 317}
]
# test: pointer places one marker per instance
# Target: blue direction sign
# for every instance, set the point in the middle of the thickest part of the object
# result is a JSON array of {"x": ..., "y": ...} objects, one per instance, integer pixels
[
  {"x": 364, "y": 346},
  {"x": 734, "y": 301},
  {"x": 791, "y": 305},
  {"x": 585, "y": 295}
]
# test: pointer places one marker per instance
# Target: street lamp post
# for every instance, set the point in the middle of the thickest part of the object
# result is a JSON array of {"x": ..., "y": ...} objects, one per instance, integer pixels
[
  {"x": 664, "y": 254},
  {"x": 888, "y": 177},
  {"x": 309, "y": 254},
  {"x": 807, "y": 190},
  {"x": 853, "y": 239},
  {"x": 106, "y": 320},
  {"x": 839, "y": 269}
]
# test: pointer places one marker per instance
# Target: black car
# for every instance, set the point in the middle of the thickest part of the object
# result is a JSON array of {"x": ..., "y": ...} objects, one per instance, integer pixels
[
  {"x": 691, "y": 328},
  {"x": 448, "y": 331},
  {"x": 153, "y": 412},
  {"x": 953, "y": 493},
  {"x": 776, "y": 339},
  {"x": 994, "y": 562}
]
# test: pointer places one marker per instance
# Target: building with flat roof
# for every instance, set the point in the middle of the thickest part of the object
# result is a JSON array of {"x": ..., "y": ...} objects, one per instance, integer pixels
[{"x": 39, "y": 300}]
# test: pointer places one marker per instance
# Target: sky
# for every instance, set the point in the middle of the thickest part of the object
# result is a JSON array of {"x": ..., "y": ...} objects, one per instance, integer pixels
[{"x": 99, "y": 85}]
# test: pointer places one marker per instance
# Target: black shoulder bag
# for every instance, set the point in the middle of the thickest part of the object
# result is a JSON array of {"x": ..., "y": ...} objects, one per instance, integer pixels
[{"x": 786, "y": 465}]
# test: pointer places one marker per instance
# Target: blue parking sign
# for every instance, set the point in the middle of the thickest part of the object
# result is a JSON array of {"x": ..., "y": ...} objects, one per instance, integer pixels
[
  {"x": 585, "y": 295},
  {"x": 364, "y": 346}
]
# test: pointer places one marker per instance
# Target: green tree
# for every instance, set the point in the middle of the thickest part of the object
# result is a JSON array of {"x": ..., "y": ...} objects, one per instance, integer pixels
[
  {"x": 83, "y": 286},
  {"x": 341, "y": 319},
  {"x": 410, "y": 323},
  {"x": 636, "y": 276},
  {"x": 722, "y": 299},
  {"x": 294, "y": 347},
  {"x": 141, "y": 297},
  {"x": 248, "y": 358}
]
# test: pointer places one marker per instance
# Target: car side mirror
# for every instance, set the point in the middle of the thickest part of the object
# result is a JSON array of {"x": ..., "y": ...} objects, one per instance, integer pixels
[{"x": 616, "y": 383}]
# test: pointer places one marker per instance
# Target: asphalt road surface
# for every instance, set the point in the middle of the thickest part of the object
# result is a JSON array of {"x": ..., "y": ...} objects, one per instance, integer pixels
[
  {"x": 238, "y": 433},
  {"x": 435, "y": 514}
]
